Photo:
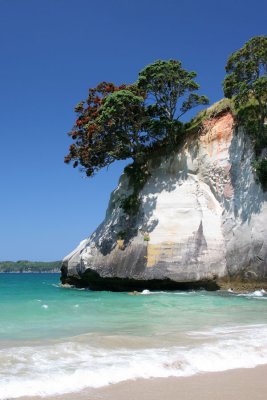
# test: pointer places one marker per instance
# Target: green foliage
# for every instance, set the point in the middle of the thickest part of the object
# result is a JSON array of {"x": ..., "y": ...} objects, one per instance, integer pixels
[
  {"x": 167, "y": 82},
  {"x": 170, "y": 89},
  {"x": 248, "y": 116},
  {"x": 122, "y": 118},
  {"x": 108, "y": 127},
  {"x": 246, "y": 83},
  {"x": 146, "y": 237},
  {"x": 138, "y": 175},
  {"x": 247, "y": 75},
  {"x": 120, "y": 122},
  {"x": 131, "y": 204},
  {"x": 30, "y": 266}
]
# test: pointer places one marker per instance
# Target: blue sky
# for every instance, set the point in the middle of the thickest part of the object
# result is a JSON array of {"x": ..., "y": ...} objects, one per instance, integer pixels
[{"x": 51, "y": 52}]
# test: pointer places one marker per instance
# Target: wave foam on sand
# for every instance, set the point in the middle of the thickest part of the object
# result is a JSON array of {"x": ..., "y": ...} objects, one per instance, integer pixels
[{"x": 72, "y": 366}]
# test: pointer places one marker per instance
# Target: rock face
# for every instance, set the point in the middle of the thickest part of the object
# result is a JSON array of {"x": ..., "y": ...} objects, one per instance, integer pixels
[{"x": 202, "y": 221}]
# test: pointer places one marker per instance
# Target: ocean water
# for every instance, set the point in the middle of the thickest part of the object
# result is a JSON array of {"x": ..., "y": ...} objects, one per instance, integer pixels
[{"x": 55, "y": 340}]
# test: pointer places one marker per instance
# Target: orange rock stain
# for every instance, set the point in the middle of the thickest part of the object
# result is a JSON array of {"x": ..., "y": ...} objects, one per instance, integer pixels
[{"x": 217, "y": 134}]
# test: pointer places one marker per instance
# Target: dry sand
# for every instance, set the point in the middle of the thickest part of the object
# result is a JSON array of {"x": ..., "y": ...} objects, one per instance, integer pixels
[{"x": 239, "y": 384}]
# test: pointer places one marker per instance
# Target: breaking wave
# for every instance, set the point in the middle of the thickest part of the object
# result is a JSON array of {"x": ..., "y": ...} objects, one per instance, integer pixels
[{"x": 72, "y": 366}]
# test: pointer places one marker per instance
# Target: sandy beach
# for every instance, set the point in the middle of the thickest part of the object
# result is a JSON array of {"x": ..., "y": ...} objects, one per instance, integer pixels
[{"x": 239, "y": 384}]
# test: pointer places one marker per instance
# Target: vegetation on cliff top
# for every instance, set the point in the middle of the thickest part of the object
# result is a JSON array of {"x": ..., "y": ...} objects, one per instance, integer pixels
[
  {"x": 247, "y": 76},
  {"x": 121, "y": 122},
  {"x": 133, "y": 121},
  {"x": 246, "y": 84},
  {"x": 30, "y": 266},
  {"x": 245, "y": 88}
]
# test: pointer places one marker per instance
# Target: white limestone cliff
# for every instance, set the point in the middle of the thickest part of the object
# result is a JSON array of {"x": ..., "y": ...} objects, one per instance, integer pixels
[{"x": 203, "y": 219}]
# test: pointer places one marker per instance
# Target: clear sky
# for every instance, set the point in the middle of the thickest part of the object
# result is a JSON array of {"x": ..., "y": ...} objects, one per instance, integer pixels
[{"x": 51, "y": 52}]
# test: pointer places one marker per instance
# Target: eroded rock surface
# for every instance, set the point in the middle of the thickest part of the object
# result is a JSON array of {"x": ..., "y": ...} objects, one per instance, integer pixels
[{"x": 202, "y": 221}]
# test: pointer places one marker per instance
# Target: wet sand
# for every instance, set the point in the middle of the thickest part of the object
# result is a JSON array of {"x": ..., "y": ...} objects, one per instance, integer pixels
[{"x": 239, "y": 384}]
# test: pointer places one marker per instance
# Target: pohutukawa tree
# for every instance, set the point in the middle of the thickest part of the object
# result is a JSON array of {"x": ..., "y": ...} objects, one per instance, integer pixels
[
  {"x": 108, "y": 127},
  {"x": 246, "y": 83},
  {"x": 123, "y": 118},
  {"x": 170, "y": 90},
  {"x": 121, "y": 122},
  {"x": 247, "y": 76}
]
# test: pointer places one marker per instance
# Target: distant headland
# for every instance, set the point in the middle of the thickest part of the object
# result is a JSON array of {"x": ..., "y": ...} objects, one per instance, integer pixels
[{"x": 25, "y": 266}]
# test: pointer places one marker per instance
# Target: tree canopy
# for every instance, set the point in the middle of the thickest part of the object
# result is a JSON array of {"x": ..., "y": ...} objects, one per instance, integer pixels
[
  {"x": 121, "y": 122},
  {"x": 247, "y": 75},
  {"x": 107, "y": 128},
  {"x": 167, "y": 82},
  {"x": 169, "y": 90},
  {"x": 246, "y": 83}
]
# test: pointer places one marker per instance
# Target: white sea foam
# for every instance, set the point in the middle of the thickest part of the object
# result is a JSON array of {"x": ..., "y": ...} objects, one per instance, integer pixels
[
  {"x": 45, "y": 306},
  {"x": 66, "y": 286},
  {"x": 72, "y": 366},
  {"x": 258, "y": 293},
  {"x": 255, "y": 294},
  {"x": 145, "y": 291}
]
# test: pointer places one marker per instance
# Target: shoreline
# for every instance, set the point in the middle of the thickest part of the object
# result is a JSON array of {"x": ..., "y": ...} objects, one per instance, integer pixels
[{"x": 235, "y": 384}]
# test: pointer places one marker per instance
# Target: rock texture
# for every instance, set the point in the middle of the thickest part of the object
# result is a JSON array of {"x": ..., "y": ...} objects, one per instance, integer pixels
[{"x": 202, "y": 221}]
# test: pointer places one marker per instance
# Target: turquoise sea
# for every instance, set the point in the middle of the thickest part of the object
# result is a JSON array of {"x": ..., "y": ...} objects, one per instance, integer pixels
[{"x": 57, "y": 340}]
